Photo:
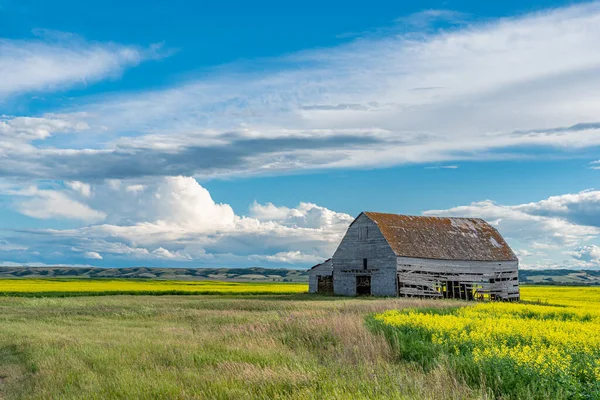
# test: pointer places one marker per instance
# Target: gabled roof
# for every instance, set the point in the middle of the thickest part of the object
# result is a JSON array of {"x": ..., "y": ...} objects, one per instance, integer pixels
[
  {"x": 443, "y": 238},
  {"x": 318, "y": 265}
]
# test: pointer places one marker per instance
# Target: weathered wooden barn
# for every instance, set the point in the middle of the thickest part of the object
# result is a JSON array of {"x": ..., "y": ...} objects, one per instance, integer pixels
[{"x": 400, "y": 255}]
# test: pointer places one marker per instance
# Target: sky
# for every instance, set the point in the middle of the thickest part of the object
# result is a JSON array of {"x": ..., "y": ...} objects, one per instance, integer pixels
[{"x": 236, "y": 134}]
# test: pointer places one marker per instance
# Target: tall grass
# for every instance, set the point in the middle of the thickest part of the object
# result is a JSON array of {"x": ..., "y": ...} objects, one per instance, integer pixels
[{"x": 207, "y": 347}]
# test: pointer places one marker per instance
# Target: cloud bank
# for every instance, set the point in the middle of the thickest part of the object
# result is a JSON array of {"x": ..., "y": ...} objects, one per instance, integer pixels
[
  {"x": 175, "y": 220},
  {"x": 508, "y": 88}
]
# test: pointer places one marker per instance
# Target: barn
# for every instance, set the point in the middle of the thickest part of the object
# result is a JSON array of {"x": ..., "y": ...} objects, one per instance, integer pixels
[{"x": 400, "y": 255}]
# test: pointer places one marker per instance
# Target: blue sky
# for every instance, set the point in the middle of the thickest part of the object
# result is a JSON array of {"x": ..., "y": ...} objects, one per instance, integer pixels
[{"x": 235, "y": 134}]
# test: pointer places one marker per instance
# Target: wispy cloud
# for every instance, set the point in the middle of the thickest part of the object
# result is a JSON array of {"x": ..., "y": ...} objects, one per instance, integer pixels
[
  {"x": 428, "y": 18},
  {"x": 507, "y": 85},
  {"x": 56, "y": 60},
  {"x": 442, "y": 167}
]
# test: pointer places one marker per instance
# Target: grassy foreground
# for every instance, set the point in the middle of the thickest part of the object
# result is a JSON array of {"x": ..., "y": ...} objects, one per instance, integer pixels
[
  {"x": 260, "y": 346},
  {"x": 207, "y": 347}
]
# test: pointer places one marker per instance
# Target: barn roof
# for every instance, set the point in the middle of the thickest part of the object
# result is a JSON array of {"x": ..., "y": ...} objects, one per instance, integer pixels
[
  {"x": 318, "y": 265},
  {"x": 444, "y": 238}
]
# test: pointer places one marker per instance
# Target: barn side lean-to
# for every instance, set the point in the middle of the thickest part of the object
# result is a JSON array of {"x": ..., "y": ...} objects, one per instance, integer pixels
[{"x": 400, "y": 255}]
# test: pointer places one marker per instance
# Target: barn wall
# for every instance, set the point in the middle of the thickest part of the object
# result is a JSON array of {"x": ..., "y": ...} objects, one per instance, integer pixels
[
  {"x": 321, "y": 269},
  {"x": 364, "y": 240},
  {"x": 488, "y": 279}
]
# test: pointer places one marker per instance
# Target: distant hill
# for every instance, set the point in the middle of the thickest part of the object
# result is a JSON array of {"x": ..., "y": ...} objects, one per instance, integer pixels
[
  {"x": 545, "y": 277},
  {"x": 223, "y": 274},
  {"x": 559, "y": 277}
]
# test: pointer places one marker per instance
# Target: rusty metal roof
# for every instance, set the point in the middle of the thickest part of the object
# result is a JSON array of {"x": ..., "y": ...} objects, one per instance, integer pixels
[{"x": 443, "y": 238}]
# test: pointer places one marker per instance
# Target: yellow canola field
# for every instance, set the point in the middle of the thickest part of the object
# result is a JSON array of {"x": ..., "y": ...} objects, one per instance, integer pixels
[
  {"x": 557, "y": 339},
  {"x": 150, "y": 286},
  {"x": 576, "y": 296}
]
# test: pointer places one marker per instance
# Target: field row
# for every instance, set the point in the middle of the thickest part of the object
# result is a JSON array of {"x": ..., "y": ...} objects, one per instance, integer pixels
[{"x": 66, "y": 287}]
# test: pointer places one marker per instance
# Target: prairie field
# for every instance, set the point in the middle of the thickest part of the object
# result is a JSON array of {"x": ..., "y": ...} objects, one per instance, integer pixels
[{"x": 234, "y": 345}]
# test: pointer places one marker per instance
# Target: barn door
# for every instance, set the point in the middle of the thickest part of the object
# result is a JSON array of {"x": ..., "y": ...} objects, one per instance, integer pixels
[
  {"x": 325, "y": 284},
  {"x": 363, "y": 285}
]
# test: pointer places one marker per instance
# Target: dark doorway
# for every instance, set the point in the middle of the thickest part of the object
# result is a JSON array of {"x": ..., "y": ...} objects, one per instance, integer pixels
[
  {"x": 458, "y": 290},
  {"x": 363, "y": 285},
  {"x": 325, "y": 284}
]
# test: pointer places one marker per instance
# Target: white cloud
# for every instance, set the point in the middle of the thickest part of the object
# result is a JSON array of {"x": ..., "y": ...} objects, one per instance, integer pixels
[
  {"x": 92, "y": 255},
  {"x": 588, "y": 256},
  {"x": 83, "y": 189},
  {"x": 176, "y": 219},
  {"x": 55, "y": 61},
  {"x": 595, "y": 164},
  {"x": 581, "y": 208},
  {"x": 8, "y": 246},
  {"x": 40, "y": 264},
  {"x": 166, "y": 254},
  {"x": 290, "y": 257},
  {"x": 268, "y": 212},
  {"x": 46, "y": 204},
  {"x": 135, "y": 188},
  {"x": 26, "y": 129}
]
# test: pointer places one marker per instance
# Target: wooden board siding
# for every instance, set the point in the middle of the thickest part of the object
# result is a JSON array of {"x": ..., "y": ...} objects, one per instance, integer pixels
[
  {"x": 469, "y": 280},
  {"x": 364, "y": 240}
]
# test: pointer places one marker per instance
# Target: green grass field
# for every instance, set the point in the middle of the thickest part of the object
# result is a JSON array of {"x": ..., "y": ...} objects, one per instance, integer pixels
[
  {"x": 205, "y": 347},
  {"x": 226, "y": 346}
]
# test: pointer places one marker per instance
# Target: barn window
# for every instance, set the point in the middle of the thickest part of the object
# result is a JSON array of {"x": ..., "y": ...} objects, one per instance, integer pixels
[
  {"x": 363, "y": 233},
  {"x": 364, "y": 263}
]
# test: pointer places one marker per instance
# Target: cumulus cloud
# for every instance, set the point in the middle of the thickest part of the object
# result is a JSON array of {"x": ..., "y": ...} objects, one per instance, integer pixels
[
  {"x": 46, "y": 204},
  {"x": 176, "y": 219},
  {"x": 482, "y": 91},
  {"x": 588, "y": 256},
  {"x": 268, "y": 212},
  {"x": 579, "y": 208}
]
